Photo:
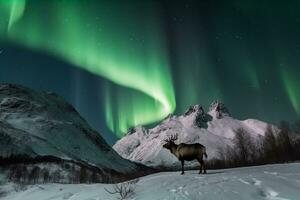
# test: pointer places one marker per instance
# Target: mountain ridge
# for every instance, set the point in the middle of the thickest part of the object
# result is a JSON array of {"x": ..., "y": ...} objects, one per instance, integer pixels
[
  {"x": 214, "y": 129},
  {"x": 40, "y": 124}
]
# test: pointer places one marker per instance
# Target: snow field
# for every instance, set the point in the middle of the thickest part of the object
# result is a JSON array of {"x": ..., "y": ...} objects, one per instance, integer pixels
[{"x": 268, "y": 182}]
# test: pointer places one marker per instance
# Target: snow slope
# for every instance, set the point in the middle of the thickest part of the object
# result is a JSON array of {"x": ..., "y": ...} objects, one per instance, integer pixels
[
  {"x": 214, "y": 130},
  {"x": 269, "y": 182},
  {"x": 43, "y": 124}
]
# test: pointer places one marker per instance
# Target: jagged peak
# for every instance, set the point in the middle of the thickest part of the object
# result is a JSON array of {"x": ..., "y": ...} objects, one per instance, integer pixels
[
  {"x": 194, "y": 109},
  {"x": 135, "y": 129},
  {"x": 218, "y": 109}
]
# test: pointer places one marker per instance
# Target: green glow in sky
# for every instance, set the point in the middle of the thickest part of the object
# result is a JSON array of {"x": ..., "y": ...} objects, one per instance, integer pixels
[
  {"x": 104, "y": 40},
  {"x": 292, "y": 89},
  {"x": 13, "y": 9},
  {"x": 149, "y": 53}
]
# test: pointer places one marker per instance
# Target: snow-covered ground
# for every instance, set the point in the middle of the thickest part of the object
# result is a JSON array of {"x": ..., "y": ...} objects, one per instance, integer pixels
[{"x": 271, "y": 182}]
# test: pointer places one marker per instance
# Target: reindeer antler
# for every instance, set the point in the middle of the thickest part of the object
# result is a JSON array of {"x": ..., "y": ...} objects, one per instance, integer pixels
[{"x": 171, "y": 138}]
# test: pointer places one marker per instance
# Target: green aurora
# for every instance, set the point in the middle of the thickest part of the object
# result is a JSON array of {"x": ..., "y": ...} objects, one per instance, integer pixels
[
  {"x": 94, "y": 42},
  {"x": 245, "y": 46}
]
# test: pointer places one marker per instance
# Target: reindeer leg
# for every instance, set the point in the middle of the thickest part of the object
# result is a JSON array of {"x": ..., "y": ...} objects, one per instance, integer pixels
[
  {"x": 204, "y": 168},
  {"x": 182, "y": 166},
  {"x": 200, "y": 165}
]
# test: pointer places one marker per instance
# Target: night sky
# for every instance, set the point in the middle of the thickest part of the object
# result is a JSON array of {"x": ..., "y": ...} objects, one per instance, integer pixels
[{"x": 124, "y": 64}]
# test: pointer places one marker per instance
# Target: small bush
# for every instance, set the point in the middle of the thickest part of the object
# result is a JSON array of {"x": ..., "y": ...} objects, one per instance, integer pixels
[{"x": 124, "y": 190}]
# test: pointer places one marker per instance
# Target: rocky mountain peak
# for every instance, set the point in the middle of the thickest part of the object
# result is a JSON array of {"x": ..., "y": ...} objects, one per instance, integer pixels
[
  {"x": 198, "y": 109},
  {"x": 218, "y": 109},
  {"x": 135, "y": 129}
]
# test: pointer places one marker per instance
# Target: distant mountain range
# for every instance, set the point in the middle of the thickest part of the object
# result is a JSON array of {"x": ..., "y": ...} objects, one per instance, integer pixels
[{"x": 214, "y": 129}]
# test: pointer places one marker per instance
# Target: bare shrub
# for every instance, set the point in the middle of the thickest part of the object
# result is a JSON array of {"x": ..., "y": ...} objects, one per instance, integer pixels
[
  {"x": 2, "y": 192},
  {"x": 18, "y": 174},
  {"x": 244, "y": 145},
  {"x": 83, "y": 175},
  {"x": 34, "y": 175},
  {"x": 124, "y": 190},
  {"x": 270, "y": 145},
  {"x": 285, "y": 147},
  {"x": 56, "y": 176},
  {"x": 20, "y": 187},
  {"x": 45, "y": 175}
]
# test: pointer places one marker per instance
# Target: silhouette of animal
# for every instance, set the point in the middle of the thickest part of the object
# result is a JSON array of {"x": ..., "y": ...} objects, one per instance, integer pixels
[{"x": 186, "y": 152}]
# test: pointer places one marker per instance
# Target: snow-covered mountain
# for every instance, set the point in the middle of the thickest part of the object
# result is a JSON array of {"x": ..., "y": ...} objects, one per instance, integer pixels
[
  {"x": 37, "y": 124},
  {"x": 214, "y": 129}
]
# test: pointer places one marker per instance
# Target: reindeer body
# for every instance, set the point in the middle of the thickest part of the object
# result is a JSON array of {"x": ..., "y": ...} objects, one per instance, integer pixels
[
  {"x": 187, "y": 152},
  {"x": 190, "y": 152}
]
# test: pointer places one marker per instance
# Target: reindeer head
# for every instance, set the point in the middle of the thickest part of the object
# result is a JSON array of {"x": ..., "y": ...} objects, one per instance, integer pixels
[{"x": 170, "y": 141}]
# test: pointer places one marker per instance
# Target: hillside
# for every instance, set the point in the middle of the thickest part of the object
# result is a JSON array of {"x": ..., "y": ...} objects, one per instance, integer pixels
[{"x": 42, "y": 125}]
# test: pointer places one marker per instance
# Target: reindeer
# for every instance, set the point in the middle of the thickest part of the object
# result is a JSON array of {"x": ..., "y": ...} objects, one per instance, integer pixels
[{"x": 186, "y": 152}]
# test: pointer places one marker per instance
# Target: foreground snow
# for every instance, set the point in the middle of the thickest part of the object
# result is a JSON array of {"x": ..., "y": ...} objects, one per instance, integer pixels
[{"x": 273, "y": 182}]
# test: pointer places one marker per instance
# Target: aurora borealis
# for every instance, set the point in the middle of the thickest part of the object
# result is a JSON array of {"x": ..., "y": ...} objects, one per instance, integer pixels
[
  {"x": 104, "y": 52},
  {"x": 158, "y": 57}
]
